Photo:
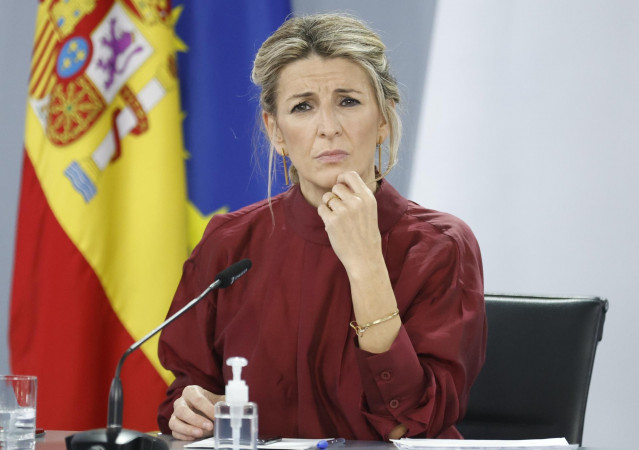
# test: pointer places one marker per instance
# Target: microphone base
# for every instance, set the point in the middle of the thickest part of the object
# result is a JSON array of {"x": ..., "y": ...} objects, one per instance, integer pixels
[{"x": 114, "y": 439}]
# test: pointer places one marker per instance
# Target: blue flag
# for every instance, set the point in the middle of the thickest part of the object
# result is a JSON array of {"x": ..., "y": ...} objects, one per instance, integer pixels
[{"x": 220, "y": 102}]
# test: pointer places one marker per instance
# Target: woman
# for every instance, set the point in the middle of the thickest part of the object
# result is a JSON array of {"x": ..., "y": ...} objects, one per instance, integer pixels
[{"x": 340, "y": 247}]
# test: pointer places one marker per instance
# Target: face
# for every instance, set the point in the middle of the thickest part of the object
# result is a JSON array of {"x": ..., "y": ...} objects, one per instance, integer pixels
[{"x": 328, "y": 121}]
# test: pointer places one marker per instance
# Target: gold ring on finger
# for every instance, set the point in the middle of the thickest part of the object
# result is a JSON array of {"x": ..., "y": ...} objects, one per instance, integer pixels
[{"x": 328, "y": 202}]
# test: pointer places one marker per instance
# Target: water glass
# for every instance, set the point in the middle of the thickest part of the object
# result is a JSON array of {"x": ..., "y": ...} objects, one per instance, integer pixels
[{"x": 17, "y": 411}]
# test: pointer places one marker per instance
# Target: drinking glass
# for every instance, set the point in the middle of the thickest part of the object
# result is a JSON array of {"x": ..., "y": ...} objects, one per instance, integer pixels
[{"x": 17, "y": 411}]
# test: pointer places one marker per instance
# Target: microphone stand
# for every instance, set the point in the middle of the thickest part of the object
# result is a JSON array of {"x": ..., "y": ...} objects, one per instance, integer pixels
[{"x": 114, "y": 437}]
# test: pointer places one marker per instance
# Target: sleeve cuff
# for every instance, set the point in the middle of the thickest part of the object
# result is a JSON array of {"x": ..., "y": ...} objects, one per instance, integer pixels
[{"x": 393, "y": 381}]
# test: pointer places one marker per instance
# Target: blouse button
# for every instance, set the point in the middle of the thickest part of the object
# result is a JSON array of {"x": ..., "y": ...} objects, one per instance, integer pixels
[
  {"x": 394, "y": 404},
  {"x": 385, "y": 375}
]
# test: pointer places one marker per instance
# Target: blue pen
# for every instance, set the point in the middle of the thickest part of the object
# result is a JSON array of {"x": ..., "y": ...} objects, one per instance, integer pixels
[{"x": 324, "y": 443}]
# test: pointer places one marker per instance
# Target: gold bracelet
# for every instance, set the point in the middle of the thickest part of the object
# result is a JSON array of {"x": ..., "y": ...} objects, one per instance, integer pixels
[{"x": 360, "y": 329}]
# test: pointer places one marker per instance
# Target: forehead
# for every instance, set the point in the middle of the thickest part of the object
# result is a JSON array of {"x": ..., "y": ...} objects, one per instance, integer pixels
[{"x": 315, "y": 73}]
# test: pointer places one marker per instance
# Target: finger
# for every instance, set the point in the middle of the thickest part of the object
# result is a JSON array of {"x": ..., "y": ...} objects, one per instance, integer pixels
[
  {"x": 329, "y": 198},
  {"x": 344, "y": 192},
  {"x": 186, "y": 412},
  {"x": 353, "y": 181},
  {"x": 189, "y": 437},
  {"x": 352, "y": 201},
  {"x": 208, "y": 407},
  {"x": 184, "y": 431},
  {"x": 189, "y": 422},
  {"x": 202, "y": 401},
  {"x": 213, "y": 398},
  {"x": 323, "y": 212},
  {"x": 182, "y": 437}
]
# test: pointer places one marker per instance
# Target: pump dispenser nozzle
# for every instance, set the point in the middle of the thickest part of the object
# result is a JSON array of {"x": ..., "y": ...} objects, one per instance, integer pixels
[
  {"x": 237, "y": 389},
  {"x": 237, "y": 362}
]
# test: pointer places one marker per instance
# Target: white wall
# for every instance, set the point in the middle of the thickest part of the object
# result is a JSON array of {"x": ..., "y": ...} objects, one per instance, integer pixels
[{"x": 530, "y": 133}]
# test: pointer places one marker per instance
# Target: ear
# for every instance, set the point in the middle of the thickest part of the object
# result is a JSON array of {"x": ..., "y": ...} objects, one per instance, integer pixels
[
  {"x": 384, "y": 127},
  {"x": 273, "y": 131}
]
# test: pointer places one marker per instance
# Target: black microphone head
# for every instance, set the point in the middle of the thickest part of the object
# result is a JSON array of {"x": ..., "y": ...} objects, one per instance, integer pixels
[{"x": 229, "y": 275}]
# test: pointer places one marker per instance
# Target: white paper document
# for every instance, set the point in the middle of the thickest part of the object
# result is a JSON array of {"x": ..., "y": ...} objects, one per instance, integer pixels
[
  {"x": 416, "y": 444},
  {"x": 283, "y": 444}
]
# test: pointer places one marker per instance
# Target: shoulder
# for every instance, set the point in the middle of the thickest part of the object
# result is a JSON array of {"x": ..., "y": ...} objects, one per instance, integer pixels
[
  {"x": 231, "y": 229},
  {"x": 419, "y": 223},
  {"x": 433, "y": 242},
  {"x": 430, "y": 234},
  {"x": 437, "y": 223},
  {"x": 405, "y": 218},
  {"x": 227, "y": 221}
]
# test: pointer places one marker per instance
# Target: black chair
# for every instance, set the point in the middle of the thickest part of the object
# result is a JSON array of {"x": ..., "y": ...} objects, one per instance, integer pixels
[{"x": 539, "y": 360}]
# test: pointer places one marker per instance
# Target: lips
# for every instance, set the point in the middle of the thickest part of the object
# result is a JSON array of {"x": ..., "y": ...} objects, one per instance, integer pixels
[{"x": 332, "y": 156}]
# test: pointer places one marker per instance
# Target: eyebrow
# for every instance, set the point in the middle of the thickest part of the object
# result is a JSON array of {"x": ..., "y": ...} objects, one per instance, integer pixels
[{"x": 310, "y": 94}]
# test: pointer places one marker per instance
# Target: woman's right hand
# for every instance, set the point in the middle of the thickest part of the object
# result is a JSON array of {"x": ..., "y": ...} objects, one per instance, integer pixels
[{"x": 193, "y": 413}]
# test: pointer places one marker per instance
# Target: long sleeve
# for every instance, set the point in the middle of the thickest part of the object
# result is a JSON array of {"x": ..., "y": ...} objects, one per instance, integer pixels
[
  {"x": 423, "y": 381},
  {"x": 186, "y": 346},
  {"x": 289, "y": 317}
]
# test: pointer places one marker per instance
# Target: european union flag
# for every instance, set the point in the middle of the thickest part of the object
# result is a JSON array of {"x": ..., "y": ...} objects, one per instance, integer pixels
[{"x": 219, "y": 100}]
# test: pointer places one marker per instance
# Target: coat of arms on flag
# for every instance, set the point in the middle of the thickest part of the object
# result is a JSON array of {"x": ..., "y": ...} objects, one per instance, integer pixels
[{"x": 102, "y": 222}]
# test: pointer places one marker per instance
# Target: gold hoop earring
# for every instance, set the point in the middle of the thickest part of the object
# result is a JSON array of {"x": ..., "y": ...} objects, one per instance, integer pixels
[
  {"x": 284, "y": 155},
  {"x": 379, "y": 154}
]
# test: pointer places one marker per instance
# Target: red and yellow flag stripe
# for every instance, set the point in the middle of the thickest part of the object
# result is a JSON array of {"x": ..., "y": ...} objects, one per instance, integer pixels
[{"x": 102, "y": 227}]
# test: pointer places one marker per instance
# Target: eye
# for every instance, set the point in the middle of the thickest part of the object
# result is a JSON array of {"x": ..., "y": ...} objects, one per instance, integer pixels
[
  {"x": 302, "y": 106},
  {"x": 349, "y": 101}
]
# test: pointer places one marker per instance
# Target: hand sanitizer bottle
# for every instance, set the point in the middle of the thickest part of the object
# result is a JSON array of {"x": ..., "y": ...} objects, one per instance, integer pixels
[{"x": 236, "y": 418}]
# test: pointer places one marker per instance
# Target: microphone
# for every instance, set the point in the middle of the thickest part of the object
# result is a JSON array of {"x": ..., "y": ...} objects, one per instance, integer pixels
[{"x": 114, "y": 436}]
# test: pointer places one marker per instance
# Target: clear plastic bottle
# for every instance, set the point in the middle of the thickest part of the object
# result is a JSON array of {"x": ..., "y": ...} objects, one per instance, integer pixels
[{"x": 236, "y": 418}]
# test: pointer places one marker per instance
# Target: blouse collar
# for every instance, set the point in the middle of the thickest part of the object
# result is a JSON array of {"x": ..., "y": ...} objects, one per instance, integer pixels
[{"x": 303, "y": 219}]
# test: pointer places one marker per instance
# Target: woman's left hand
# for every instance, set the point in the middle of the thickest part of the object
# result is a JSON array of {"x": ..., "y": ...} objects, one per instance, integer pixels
[{"x": 349, "y": 212}]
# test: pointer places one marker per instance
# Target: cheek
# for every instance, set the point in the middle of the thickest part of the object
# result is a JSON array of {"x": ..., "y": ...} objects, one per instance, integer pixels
[
  {"x": 370, "y": 126},
  {"x": 297, "y": 137},
  {"x": 368, "y": 135}
]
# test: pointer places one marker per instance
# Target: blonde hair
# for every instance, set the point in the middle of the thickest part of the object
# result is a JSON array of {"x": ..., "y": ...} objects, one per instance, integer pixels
[{"x": 328, "y": 36}]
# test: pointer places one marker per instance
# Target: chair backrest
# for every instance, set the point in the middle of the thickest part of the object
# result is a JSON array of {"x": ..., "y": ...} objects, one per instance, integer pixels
[{"x": 539, "y": 360}]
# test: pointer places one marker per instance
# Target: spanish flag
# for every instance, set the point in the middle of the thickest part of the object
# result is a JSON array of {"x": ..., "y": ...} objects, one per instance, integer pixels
[{"x": 102, "y": 222}]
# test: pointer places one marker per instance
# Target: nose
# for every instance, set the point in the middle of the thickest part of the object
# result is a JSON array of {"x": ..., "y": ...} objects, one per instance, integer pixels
[{"x": 329, "y": 124}]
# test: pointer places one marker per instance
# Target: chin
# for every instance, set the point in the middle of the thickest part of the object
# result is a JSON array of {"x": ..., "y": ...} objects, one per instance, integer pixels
[{"x": 327, "y": 179}]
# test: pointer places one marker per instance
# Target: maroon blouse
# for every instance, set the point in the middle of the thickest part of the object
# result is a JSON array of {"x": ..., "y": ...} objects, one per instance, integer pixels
[{"x": 289, "y": 316}]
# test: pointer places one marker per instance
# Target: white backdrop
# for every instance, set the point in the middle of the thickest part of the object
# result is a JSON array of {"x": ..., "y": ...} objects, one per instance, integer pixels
[{"x": 529, "y": 132}]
